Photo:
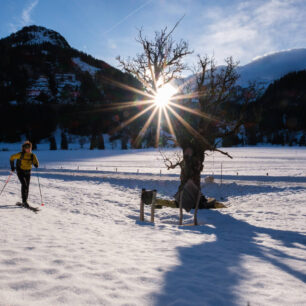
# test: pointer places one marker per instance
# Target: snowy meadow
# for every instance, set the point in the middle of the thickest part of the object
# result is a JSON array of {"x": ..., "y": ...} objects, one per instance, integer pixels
[{"x": 87, "y": 247}]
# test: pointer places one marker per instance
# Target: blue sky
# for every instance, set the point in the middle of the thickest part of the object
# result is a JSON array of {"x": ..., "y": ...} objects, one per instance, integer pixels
[{"x": 107, "y": 28}]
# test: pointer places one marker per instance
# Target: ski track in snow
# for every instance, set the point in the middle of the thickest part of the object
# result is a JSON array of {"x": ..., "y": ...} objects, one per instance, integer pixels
[{"x": 87, "y": 247}]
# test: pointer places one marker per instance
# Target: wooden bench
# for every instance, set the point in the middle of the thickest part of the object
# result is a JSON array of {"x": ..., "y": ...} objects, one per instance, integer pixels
[{"x": 148, "y": 197}]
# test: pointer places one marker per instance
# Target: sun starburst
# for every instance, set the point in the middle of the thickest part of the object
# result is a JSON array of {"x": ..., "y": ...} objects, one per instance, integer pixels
[
  {"x": 164, "y": 95},
  {"x": 160, "y": 102}
]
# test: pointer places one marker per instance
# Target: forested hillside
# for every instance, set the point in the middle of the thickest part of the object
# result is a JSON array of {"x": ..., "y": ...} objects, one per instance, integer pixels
[{"x": 45, "y": 84}]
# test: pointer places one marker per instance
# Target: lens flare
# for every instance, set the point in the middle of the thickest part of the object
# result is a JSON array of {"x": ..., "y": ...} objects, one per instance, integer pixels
[
  {"x": 160, "y": 103},
  {"x": 164, "y": 95}
]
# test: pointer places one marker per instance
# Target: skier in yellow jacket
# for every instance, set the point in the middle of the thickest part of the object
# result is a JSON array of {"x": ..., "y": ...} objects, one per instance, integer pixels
[{"x": 25, "y": 160}]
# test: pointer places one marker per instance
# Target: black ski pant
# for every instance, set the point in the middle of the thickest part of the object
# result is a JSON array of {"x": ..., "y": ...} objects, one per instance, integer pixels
[{"x": 24, "y": 178}]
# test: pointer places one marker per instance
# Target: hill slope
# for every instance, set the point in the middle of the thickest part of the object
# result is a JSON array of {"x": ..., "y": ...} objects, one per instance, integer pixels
[
  {"x": 278, "y": 117},
  {"x": 39, "y": 66},
  {"x": 45, "y": 83},
  {"x": 271, "y": 67}
]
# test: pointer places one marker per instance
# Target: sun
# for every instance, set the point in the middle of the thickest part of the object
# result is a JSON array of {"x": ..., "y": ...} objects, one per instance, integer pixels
[{"x": 164, "y": 95}]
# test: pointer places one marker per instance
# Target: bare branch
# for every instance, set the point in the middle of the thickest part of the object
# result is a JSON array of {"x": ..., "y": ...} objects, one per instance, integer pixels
[
  {"x": 222, "y": 152},
  {"x": 160, "y": 61},
  {"x": 172, "y": 162}
]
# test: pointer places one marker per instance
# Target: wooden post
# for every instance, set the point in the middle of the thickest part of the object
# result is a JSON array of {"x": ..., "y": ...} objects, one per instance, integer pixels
[
  {"x": 221, "y": 173},
  {"x": 141, "y": 217},
  {"x": 153, "y": 205},
  {"x": 181, "y": 208},
  {"x": 196, "y": 208}
]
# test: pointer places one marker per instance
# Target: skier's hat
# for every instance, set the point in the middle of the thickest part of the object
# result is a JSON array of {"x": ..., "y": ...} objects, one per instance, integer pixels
[{"x": 26, "y": 145}]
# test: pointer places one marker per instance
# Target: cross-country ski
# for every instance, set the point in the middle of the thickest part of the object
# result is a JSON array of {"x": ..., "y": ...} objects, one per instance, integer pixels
[{"x": 28, "y": 206}]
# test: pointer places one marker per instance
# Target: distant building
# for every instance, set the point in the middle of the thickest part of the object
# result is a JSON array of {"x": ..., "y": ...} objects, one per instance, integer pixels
[
  {"x": 39, "y": 86},
  {"x": 68, "y": 88}
]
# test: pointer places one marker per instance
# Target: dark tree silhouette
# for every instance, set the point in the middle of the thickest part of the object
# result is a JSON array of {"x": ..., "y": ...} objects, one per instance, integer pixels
[
  {"x": 93, "y": 142},
  {"x": 64, "y": 141},
  {"x": 100, "y": 142},
  {"x": 160, "y": 61},
  {"x": 53, "y": 145}
]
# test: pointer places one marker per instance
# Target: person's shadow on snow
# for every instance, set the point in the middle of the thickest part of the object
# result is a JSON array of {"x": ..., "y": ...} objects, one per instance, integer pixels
[{"x": 210, "y": 272}]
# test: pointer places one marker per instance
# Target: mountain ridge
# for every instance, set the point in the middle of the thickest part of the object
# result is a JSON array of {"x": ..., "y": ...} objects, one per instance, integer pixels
[
  {"x": 273, "y": 66},
  {"x": 35, "y": 35}
]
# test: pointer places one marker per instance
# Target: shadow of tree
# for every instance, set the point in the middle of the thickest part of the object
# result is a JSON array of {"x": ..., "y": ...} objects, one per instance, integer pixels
[
  {"x": 211, "y": 272},
  {"x": 166, "y": 188}
]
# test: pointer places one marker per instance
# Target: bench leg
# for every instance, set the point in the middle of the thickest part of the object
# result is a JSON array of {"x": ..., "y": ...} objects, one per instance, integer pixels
[{"x": 141, "y": 217}]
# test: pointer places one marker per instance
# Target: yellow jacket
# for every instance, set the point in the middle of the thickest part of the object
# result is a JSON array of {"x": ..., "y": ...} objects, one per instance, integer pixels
[{"x": 26, "y": 162}]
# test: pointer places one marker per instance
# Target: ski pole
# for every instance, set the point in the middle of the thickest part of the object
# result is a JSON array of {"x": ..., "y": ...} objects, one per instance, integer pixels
[
  {"x": 6, "y": 182},
  {"x": 42, "y": 203}
]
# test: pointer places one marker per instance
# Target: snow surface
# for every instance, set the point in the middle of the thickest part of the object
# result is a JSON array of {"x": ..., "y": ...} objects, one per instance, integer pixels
[
  {"x": 84, "y": 66},
  {"x": 87, "y": 247}
]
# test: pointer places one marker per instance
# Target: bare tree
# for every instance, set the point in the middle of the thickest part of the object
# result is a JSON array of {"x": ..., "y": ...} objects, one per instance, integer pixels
[
  {"x": 160, "y": 61},
  {"x": 217, "y": 93}
]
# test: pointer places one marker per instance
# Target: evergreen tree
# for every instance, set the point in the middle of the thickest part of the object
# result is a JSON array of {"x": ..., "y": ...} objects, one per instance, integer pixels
[
  {"x": 64, "y": 141},
  {"x": 100, "y": 142},
  {"x": 123, "y": 143},
  {"x": 53, "y": 145},
  {"x": 302, "y": 141},
  {"x": 93, "y": 142},
  {"x": 34, "y": 145}
]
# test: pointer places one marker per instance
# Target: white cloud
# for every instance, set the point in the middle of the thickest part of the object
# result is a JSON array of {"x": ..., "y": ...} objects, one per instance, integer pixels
[
  {"x": 25, "y": 18},
  {"x": 27, "y": 11},
  {"x": 253, "y": 28}
]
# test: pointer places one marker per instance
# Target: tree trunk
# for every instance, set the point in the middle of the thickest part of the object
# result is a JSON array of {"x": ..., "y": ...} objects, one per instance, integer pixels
[{"x": 192, "y": 166}]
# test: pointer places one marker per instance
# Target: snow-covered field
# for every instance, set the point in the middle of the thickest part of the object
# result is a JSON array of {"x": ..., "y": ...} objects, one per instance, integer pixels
[{"x": 87, "y": 247}]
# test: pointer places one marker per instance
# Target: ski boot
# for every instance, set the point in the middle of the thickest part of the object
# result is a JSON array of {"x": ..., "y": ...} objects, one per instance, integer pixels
[{"x": 25, "y": 204}]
